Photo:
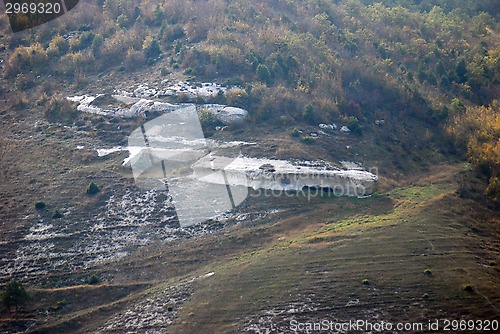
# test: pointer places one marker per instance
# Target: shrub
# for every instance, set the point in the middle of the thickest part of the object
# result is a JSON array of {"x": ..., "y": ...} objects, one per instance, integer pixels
[
  {"x": 61, "y": 44},
  {"x": 295, "y": 132},
  {"x": 199, "y": 99},
  {"x": 173, "y": 33},
  {"x": 40, "y": 205},
  {"x": 237, "y": 97},
  {"x": 425, "y": 296},
  {"x": 59, "y": 109},
  {"x": 114, "y": 48},
  {"x": 365, "y": 281},
  {"x": 76, "y": 62},
  {"x": 42, "y": 99},
  {"x": 353, "y": 124},
  {"x": 93, "y": 280},
  {"x": 83, "y": 41},
  {"x": 208, "y": 121},
  {"x": 493, "y": 189},
  {"x": 492, "y": 263},
  {"x": 26, "y": 59},
  {"x": 308, "y": 139},
  {"x": 164, "y": 71},
  {"x": 24, "y": 81},
  {"x": 19, "y": 102},
  {"x": 92, "y": 188},
  {"x": 57, "y": 215},
  {"x": 427, "y": 271},
  {"x": 59, "y": 305},
  {"x": 58, "y": 46},
  {"x": 468, "y": 288},
  {"x": 134, "y": 59}
]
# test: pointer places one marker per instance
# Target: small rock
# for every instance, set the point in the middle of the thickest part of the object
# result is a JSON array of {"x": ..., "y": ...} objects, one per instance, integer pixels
[
  {"x": 379, "y": 122},
  {"x": 328, "y": 126},
  {"x": 144, "y": 91},
  {"x": 345, "y": 129}
]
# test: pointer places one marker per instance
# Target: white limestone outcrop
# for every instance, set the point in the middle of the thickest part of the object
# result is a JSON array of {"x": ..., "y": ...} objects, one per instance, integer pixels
[{"x": 282, "y": 175}]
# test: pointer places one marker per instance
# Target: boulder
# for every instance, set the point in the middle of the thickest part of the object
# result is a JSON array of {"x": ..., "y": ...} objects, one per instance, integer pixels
[
  {"x": 232, "y": 115},
  {"x": 328, "y": 126},
  {"x": 345, "y": 129},
  {"x": 145, "y": 107},
  {"x": 228, "y": 115},
  {"x": 85, "y": 104}
]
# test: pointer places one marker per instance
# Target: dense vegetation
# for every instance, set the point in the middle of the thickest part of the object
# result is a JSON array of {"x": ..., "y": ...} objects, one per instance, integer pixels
[
  {"x": 308, "y": 60},
  {"x": 477, "y": 131}
]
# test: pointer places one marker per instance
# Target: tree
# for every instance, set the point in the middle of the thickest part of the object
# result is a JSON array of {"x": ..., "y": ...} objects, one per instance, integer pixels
[
  {"x": 151, "y": 49},
  {"x": 457, "y": 106},
  {"x": 461, "y": 70},
  {"x": 158, "y": 15},
  {"x": 263, "y": 73},
  {"x": 15, "y": 295},
  {"x": 92, "y": 188},
  {"x": 308, "y": 114}
]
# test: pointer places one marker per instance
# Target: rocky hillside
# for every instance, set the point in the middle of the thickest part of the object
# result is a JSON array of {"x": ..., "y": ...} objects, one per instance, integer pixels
[{"x": 400, "y": 92}]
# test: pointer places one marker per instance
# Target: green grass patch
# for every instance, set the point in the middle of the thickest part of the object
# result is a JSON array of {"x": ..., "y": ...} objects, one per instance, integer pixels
[
  {"x": 420, "y": 193},
  {"x": 382, "y": 208}
]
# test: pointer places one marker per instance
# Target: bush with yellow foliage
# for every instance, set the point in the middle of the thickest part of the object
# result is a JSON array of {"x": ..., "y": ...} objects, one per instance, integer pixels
[{"x": 478, "y": 129}]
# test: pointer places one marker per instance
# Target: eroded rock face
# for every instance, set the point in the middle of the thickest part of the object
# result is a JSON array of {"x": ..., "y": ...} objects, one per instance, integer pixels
[
  {"x": 282, "y": 175},
  {"x": 145, "y": 107},
  {"x": 205, "y": 89},
  {"x": 144, "y": 91}
]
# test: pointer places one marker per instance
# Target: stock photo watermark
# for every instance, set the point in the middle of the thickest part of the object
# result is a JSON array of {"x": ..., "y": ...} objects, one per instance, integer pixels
[
  {"x": 359, "y": 325},
  {"x": 27, "y": 14}
]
